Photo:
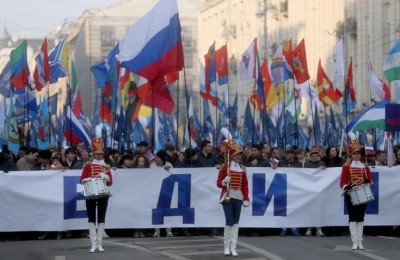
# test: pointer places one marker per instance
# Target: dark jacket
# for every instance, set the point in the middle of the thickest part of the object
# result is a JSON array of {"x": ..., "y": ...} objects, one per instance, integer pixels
[
  {"x": 189, "y": 164},
  {"x": 6, "y": 163}
]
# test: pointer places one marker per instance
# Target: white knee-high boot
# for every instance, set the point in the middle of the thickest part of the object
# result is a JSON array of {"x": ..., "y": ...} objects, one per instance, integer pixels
[
  {"x": 360, "y": 230},
  {"x": 353, "y": 234},
  {"x": 234, "y": 238},
  {"x": 100, "y": 235},
  {"x": 227, "y": 239},
  {"x": 93, "y": 237}
]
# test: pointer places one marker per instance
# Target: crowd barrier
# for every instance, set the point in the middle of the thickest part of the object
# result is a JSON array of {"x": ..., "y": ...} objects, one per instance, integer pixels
[{"x": 148, "y": 198}]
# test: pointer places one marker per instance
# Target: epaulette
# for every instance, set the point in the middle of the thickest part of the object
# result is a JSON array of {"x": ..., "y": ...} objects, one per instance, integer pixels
[{"x": 243, "y": 167}]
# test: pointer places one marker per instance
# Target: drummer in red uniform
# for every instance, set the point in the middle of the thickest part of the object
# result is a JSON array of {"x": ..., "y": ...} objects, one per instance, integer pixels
[
  {"x": 355, "y": 173},
  {"x": 97, "y": 168},
  {"x": 232, "y": 179}
]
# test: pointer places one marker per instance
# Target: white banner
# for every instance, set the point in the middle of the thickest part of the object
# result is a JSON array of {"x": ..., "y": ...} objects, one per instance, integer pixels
[{"x": 51, "y": 200}]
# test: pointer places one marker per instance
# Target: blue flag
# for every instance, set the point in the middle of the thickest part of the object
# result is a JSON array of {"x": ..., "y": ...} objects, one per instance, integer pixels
[
  {"x": 208, "y": 126},
  {"x": 104, "y": 70}
]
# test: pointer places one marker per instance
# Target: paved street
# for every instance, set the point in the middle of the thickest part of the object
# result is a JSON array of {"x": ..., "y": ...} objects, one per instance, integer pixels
[{"x": 203, "y": 247}]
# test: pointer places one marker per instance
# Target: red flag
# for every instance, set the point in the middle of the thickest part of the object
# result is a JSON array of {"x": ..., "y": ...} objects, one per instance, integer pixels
[
  {"x": 161, "y": 97},
  {"x": 105, "y": 104},
  {"x": 222, "y": 64},
  {"x": 41, "y": 75},
  {"x": 287, "y": 53},
  {"x": 327, "y": 94},
  {"x": 349, "y": 82},
  {"x": 172, "y": 77},
  {"x": 300, "y": 69}
]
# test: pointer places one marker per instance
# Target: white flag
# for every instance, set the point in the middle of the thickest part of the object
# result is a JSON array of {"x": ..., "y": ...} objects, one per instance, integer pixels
[
  {"x": 247, "y": 63},
  {"x": 338, "y": 60}
]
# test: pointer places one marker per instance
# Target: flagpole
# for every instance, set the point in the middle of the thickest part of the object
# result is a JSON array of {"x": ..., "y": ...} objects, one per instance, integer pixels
[
  {"x": 153, "y": 116},
  {"x": 295, "y": 112},
  {"x": 187, "y": 110},
  {"x": 312, "y": 113},
  {"x": 254, "y": 115},
  {"x": 26, "y": 99},
  {"x": 48, "y": 109},
  {"x": 177, "y": 117},
  {"x": 284, "y": 114}
]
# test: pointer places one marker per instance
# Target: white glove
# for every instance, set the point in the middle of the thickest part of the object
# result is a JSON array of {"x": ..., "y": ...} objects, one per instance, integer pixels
[
  {"x": 104, "y": 176},
  {"x": 226, "y": 180},
  {"x": 245, "y": 203}
]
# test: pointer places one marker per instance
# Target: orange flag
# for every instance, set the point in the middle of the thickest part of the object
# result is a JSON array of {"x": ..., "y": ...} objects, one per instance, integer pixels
[
  {"x": 300, "y": 69},
  {"x": 326, "y": 93}
]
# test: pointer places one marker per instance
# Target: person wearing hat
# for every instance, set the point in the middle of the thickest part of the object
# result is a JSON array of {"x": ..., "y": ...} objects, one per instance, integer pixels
[
  {"x": 97, "y": 168},
  {"x": 232, "y": 179},
  {"x": 355, "y": 173}
]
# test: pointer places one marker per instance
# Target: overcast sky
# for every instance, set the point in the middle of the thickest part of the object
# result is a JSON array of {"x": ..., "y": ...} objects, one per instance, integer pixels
[{"x": 38, "y": 18}]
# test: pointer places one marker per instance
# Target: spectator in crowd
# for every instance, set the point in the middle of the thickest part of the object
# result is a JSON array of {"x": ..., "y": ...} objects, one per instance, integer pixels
[
  {"x": 275, "y": 157},
  {"x": 29, "y": 161},
  {"x": 142, "y": 147},
  {"x": 114, "y": 157},
  {"x": 315, "y": 162},
  {"x": 322, "y": 152},
  {"x": 206, "y": 157},
  {"x": 172, "y": 155},
  {"x": 220, "y": 160},
  {"x": 380, "y": 159},
  {"x": 70, "y": 157},
  {"x": 301, "y": 156},
  {"x": 332, "y": 159},
  {"x": 126, "y": 162},
  {"x": 265, "y": 151},
  {"x": 6, "y": 163},
  {"x": 161, "y": 162},
  {"x": 79, "y": 145},
  {"x": 21, "y": 153},
  {"x": 191, "y": 159},
  {"x": 140, "y": 161},
  {"x": 256, "y": 159},
  {"x": 84, "y": 158},
  {"x": 97, "y": 207},
  {"x": 43, "y": 160},
  {"x": 56, "y": 162},
  {"x": 396, "y": 156},
  {"x": 355, "y": 173},
  {"x": 291, "y": 162},
  {"x": 181, "y": 157}
]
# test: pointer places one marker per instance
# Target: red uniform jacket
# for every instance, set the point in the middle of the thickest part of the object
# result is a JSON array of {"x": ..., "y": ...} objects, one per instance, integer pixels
[
  {"x": 354, "y": 175},
  {"x": 238, "y": 181},
  {"x": 93, "y": 171}
]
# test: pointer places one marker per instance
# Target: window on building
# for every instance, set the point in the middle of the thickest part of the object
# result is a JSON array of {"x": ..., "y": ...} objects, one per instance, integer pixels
[
  {"x": 187, "y": 38},
  {"x": 107, "y": 36},
  {"x": 188, "y": 61}
]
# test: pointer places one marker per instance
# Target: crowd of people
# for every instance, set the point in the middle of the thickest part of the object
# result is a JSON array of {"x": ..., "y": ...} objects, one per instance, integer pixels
[{"x": 258, "y": 155}]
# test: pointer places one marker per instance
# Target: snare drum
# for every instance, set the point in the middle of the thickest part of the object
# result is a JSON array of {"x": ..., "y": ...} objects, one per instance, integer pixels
[
  {"x": 94, "y": 188},
  {"x": 361, "y": 194}
]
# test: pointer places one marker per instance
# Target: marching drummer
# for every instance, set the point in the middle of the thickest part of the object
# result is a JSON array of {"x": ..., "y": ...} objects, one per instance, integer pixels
[
  {"x": 355, "y": 174},
  {"x": 97, "y": 168}
]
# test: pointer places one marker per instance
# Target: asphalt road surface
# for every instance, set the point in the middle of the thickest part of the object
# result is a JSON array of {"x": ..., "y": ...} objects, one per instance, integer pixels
[{"x": 203, "y": 247}]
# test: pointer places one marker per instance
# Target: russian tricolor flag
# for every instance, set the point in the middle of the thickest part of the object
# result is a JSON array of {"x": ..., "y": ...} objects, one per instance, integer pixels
[
  {"x": 152, "y": 47},
  {"x": 75, "y": 131}
]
